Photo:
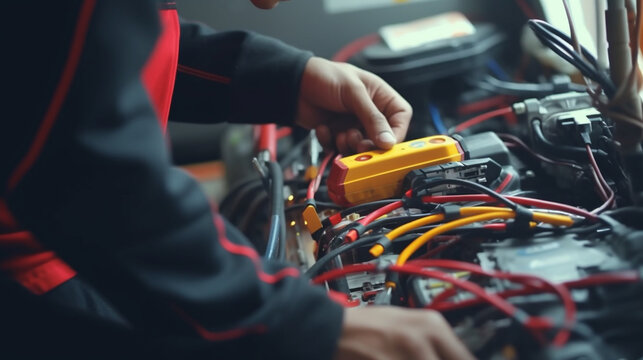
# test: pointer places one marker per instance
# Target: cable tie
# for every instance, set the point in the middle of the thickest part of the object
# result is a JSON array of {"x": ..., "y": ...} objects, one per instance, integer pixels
[
  {"x": 520, "y": 226},
  {"x": 392, "y": 279},
  {"x": 450, "y": 211},
  {"x": 381, "y": 245},
  {"x": 382, "y": 266},
  {"x": 414, "y": 202},
  {"x": 384, "y": 241}
]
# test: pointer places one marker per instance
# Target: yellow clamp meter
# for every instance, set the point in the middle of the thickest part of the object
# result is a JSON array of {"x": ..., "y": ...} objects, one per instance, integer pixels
[{"x": 378, "y": 174}]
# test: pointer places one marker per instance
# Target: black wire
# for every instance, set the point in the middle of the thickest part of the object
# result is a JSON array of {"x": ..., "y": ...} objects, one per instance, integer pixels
[
  {"x": 549, "y": 27},
  {"x": 250, "y": 213},
  {"x": 358, "y": 209},
  {"x": 301, "y": 193},
  {"x": 561, "y": 44},
  {"x": 430, "y": 183},
  {"x": 276, "y": 248},
  {"x": 371, "y": 239},
  {"x": 521, "y": 144},
  {"x": 231, "y": 201},
  {"x": 318, "y": 205},
  {"x": 393, "y": 221},
  {"x": 293, "y": 153},
  {"x": 324, "y": 260}
]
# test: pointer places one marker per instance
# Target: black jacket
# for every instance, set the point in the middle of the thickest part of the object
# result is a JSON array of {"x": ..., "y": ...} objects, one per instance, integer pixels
[{"x": 85, "y": 167}]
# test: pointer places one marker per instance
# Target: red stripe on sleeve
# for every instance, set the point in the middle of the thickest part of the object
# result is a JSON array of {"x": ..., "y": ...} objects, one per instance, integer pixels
[
  {"x": 59, "y": 96},
  {"x": 268, "y": 278},
  {"x": 220, "y": 335},
  {"x": 251, "y": 254},
  {"x": 204, "y": 75}
]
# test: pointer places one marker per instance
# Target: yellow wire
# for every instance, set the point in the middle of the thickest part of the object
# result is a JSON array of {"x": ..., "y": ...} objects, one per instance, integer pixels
[
  {"x": 377, "y": 249},
  {"x": 424, "y": 238},
  {"x": 554, "y": 219},
  {"x": 431, "y": 219},
  {"x": 477, "y": 215}
]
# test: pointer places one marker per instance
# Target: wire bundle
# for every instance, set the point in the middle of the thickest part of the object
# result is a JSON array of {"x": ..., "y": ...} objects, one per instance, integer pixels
[
  {"x": 449, "y": 218},
  {"x": 569, "y": 49}
]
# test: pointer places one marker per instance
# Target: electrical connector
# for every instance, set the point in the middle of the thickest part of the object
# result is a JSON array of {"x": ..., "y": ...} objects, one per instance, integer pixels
[{"x": 311, "y": 219}]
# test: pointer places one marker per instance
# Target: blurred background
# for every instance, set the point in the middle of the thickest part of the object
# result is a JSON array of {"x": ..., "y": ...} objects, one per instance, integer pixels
[{"x": 324, "y": 27}]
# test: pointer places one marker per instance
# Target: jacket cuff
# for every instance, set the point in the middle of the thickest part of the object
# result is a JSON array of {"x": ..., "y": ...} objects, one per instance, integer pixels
[{"x": 308, "y": 329}]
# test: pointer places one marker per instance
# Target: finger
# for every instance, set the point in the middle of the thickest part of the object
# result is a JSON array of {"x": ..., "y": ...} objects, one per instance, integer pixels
[
  {"x": 396, "y": 109},
  {"x": 365, "y": 145},
  {"x": 358, "y": 100},
  {"x": 342, "y": 143},
  {"x": 428, "y": 353},
  {"x": 354, "y": 137},
  {"x": 445, "y": 341},
  {"x": 323, "y": 136},
  {"x": 400, "y": 124},
  {"x": 448, "y": 347}
]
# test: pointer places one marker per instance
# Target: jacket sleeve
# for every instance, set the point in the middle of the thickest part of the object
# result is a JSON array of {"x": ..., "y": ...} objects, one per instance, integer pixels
[
  {"x": 235, "y": 76},
  {"x": 86, "y": 169}
]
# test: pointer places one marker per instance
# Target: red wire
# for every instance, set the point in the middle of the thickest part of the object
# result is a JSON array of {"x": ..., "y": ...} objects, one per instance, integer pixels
[
  {"x": 267, "y": 140},
  {"x": 482, "y": 105},
  {"x": 605, "y": 279},
  {"x": 442, "y": 297},
  {"x": 352, "y": 234},
  {"x": 492, "y": 299},
  {"x": 314, "y": 183},
  {"x": 380, "y": 212},
  {"x": 528, "y": 280},
  {"x": 354, "y": 47},
  {"x": 431, "y": 253},
  {"x": 346, "y": 270},
  {"x": 594, "y": 280},
  {"x": 450, "y": 306},
  {"x": 517, "y": 199},
  {"x": 533, "y": 284},
  {"x": 504, "y": 183},
  {"x": 282, "y": 132},
  {"x": 482, "y": 118}
]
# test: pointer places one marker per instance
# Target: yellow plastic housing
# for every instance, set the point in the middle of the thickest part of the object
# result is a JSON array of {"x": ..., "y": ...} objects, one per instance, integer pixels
[{"x": 378, "y": 174}]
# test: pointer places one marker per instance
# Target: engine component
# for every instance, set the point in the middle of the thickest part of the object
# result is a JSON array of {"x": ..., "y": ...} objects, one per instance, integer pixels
[
  {"x": 556, "y": 258},
  {"x": 560, "y": 115},
  {"x": 482, "y": 171}
]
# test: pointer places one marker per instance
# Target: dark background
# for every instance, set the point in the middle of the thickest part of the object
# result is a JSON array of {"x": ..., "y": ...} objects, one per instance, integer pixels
[{"x": 306, "y": 24}]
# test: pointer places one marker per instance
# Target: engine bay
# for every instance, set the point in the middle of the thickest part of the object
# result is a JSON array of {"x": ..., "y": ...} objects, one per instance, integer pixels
[{"x": 522, "y": 225}]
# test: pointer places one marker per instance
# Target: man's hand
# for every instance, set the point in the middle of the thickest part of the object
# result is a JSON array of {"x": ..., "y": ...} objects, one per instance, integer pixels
[
  {"x": 391, "y": 333},
  {"x": 352, "y": 106}
]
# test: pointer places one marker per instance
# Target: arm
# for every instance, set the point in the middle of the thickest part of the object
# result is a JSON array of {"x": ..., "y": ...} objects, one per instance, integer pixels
[
  {"x": 235, "y": 76},
  {"x": 92, "y": 179},
  {"x": 246, "y": 77}
]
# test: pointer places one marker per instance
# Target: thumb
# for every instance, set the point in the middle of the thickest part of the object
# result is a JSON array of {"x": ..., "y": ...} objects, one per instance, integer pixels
[{"x": 377, "y": 127}]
